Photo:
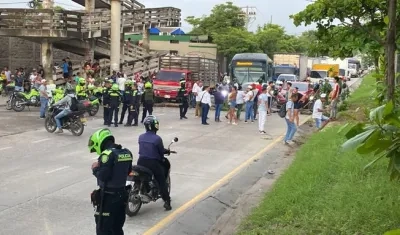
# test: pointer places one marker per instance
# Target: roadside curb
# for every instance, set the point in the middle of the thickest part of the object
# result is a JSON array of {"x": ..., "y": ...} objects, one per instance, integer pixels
[{"x": 200, "y": 214}]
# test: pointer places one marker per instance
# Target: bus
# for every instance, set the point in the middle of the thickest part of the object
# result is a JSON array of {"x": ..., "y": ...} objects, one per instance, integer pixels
[{"x": 251, "y": 68}]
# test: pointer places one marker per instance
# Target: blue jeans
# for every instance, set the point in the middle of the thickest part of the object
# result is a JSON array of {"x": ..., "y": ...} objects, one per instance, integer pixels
[
  {"x": 62, "y": 114},
  {"x": 192, "y": 100},
  {"x": 218, "y": 108},
  {"x": 291, "y": 130},
  {"x": 249, "y": 111},
  {"x": 319, "y": 121},
  {"x": 43, "y": 106},
  {"x": 204, "y": 112},
  {"x": 19, "y": 88}
]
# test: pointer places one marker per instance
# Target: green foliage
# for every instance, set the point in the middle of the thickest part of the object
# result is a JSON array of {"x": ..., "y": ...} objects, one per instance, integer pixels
[
  {"x": 381, "y": 137},
  {"x": 226, "y": 25}
]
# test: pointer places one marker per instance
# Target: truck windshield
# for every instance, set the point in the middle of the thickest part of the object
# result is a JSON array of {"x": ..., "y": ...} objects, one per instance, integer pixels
[
  {"x": 284, "y": 70},
  {"x": 318, "y": 74},
  {"x": 249, "y": 74},
  {"x": 169, "y": 76},
  {"x": 342, "y": 72}
]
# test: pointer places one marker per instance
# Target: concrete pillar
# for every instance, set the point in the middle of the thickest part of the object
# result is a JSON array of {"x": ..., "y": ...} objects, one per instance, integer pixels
[
  {"x": 89, "y": 5},
  {"x": 47, "y": 60},
  {"x": 115, "y": 34},
  {"x": 146, "y": 39},
  {"x": 90, "y": 44}
]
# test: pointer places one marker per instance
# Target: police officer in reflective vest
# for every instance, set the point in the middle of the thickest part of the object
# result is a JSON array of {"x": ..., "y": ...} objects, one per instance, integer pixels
[
  {"x": 147, "y": 100},
  {"x": 183, "y": 99},
  {"x": 111, "y": 170},
  {"x": 115, "y": 101},
  {"x": 134, "y": 106},
  {"x": 126, "y": 100},
  {"x": 80, "y": 89},
  {"x": 106, "y": 101}
]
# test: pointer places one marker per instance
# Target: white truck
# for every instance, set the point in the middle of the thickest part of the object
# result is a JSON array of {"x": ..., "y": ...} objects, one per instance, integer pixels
[{"x": 286, "y": 63}]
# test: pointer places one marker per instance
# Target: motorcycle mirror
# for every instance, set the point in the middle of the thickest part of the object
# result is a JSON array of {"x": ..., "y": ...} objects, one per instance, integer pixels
[{"x": 175, "y": 140}]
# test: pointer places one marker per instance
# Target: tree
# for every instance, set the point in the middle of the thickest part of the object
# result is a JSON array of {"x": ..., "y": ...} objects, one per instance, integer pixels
[
  {"x": 362, "y": 19},
  {"x": 234, "y": 41},
  {"x": 222, "y": 18}
]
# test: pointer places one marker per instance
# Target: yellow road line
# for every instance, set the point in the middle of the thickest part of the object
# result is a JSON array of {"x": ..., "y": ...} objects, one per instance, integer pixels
[{"x": 168, "y": 219}]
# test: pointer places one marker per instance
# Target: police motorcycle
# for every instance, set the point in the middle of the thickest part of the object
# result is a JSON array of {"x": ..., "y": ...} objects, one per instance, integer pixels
[
  {"x": 143, "y": 188},
  {"x": 23, "y": 99},
  {"x": 74, "y": 122}
]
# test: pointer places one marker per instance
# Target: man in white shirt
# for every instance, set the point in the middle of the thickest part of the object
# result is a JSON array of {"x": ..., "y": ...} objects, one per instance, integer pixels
[
  {"x": 205, "y": 104},
  {"x": 121, "y": 83},
  {"x": 239, "y": 102},
  {"x": 197, "y": 91},
  {"x": 318, "y": 110}
]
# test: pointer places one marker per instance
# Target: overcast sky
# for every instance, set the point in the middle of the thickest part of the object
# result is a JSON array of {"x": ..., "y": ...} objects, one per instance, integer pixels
[{"x": 279, "y": 10}]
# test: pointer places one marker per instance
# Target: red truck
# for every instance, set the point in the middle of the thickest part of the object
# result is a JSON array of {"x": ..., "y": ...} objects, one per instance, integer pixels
[{"x": 173, "y": 68}]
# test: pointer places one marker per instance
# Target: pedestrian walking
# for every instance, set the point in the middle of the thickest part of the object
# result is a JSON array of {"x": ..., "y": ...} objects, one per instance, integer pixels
[
  {"x": 219, "y": 102},
  {"x": 147, "y": 100},
  {"x": 205, "y": 104},
  {"x": 249, "y": 104},
  {"x": 262, "y": 110},
  {"x": 183, "y": 99},
  {"x": 291, "y": 126},
  {"x": 44, "y": 98}
]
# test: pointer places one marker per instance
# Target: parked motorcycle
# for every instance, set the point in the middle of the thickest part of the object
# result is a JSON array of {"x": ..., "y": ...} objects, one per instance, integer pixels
[
  {"x": 94, "y": 105},
  {"x": 10, "y": 99},
  {"x": 143, "y": 188},
  {"x": 74, "y": 122},
  {"x": 23, "y": 99}
]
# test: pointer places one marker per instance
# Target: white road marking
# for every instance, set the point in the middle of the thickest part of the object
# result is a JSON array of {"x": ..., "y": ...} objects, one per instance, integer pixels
[
  {"x": 58, "y": 169},
  {"x": 38, "y": 141},
  {"x": 5, "y": 148}
]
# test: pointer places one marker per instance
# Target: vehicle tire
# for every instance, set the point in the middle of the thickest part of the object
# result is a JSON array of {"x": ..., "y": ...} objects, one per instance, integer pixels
[
  {"x": 50, "y": 124},
  {"x": 93, "y": 110},
  {"x": 8, "y": 105},
  {"x": 136, "y": 203},
  {"x": 16, "y": 106},
  {"x": 169, "y": 184},
  {"x": 77, "y": 128}
]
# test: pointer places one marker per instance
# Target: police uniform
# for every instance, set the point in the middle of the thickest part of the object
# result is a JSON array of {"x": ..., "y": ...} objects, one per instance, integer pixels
[
  {"x": 115, "y": 100},
  {"x": 183, "y": 100},
  {"x": 80, "y": 92},
  {"x": 106, "y": 105},
  {"x": 134, "y": 108},
  {"x": 114, "y": 166},
  {"x": 148, "y": 101},
  {"x": 126, "y": 100}
]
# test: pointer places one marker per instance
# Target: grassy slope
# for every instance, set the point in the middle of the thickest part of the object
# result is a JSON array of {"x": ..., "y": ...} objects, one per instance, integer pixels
[{"x": 326, "y": 191}]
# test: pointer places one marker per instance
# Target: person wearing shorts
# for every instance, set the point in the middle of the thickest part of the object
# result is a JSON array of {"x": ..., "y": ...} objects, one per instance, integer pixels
[
  {"x": 318, "y": 116},
  {"x": 232, "y": 106},
  {"x": 297, "y": 105}
]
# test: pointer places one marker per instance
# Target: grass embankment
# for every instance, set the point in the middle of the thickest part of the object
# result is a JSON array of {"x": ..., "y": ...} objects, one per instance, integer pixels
[{"x": 326, "y": 191}]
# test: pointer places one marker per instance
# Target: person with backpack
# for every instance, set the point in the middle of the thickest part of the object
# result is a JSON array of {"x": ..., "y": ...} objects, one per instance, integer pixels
[{"x": 69, "y": 104}]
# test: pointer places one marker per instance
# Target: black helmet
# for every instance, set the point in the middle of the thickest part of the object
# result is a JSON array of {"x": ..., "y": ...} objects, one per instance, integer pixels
[{"x": 151, "y": 123}]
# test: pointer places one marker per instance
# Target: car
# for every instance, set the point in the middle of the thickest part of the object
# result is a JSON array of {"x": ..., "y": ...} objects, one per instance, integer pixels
[{"x": 287, "y": 77}]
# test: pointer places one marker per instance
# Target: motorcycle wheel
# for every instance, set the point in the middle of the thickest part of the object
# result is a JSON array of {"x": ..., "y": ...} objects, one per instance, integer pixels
[
  {"x": 77, "y": 128},
  {"x": 93, "y": 110},
  {"x": 134, "y": 204},
  {"x": 8, "y": 105},
  {"x": 50, "y": 124},
  {"x": 16, "y": 106}
]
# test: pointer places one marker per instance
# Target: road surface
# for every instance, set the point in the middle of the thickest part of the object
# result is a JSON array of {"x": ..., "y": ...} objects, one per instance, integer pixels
[{"x": 46, "y": 178}]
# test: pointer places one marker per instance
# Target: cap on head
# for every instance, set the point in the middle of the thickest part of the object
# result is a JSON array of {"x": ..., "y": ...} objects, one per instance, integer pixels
[
  {"x": 323, "y": 95},
  {"x": 43, "y": 81}
]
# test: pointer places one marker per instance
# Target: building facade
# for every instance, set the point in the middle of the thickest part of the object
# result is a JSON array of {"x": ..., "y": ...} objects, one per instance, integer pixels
[{"x": 180, "y": 44}]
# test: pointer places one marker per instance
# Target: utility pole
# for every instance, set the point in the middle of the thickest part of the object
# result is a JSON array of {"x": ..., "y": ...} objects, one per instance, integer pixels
[
  {"x": 47, "y": 48},
  {"x": 249, "y": 14}
]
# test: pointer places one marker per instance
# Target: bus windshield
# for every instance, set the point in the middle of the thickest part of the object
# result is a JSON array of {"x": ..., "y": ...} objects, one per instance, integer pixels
[
  {"x": 169, "y": 75},
  {"x": 249, "y": 74}
]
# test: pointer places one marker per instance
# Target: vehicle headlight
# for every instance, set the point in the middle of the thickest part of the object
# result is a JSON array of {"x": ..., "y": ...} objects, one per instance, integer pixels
[{"x": 311, "y": 97}]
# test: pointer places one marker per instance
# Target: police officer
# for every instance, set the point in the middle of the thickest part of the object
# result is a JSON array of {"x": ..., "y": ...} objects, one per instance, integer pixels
[
  {"x": 80, "y": 89},
  {"x": 106, "y": 101},
  {"x": 126, "y": 99},
  {"x": 115, "y": 101},
  {"x": 147, "y": 100},
  {"x": 111, "y": 170},
  {"x": 134, "y": 106},
  {"x": 183, "y": 99}
]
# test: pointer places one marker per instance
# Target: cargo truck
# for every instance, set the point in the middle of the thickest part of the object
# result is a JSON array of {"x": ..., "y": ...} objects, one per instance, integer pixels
[
  {"x": 290, "y": 64},
  {"x": 173, "y": 68},
  {"x": 322, "y": 71}
]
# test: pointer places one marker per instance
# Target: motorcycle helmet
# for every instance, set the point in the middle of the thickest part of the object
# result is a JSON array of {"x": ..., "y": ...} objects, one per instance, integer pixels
[
  {"x": 97, "y": 140},
  {"x": 82, "y": 81},
  {"x": 151, "y": 123},
  {"x": 128, "y": 83},
  {"x": 115, "y": 87},
  {"x": 147, "y": 85}
]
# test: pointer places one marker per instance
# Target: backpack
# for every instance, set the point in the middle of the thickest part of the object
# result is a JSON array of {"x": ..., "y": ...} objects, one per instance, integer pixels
[
  {"x": 282, "y": 111},
  {"x": 74, "y": 104}
]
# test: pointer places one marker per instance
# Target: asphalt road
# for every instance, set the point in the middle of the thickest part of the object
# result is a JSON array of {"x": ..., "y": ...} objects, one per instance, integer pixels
[{"x": 46, "y": 178}]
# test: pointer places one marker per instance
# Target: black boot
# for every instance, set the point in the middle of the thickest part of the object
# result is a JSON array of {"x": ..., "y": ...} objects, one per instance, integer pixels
[{"x": 167, "y": 205}]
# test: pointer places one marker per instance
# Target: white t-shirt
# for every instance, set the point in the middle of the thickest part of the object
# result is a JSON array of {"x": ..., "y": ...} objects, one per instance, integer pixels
[
  {"x": 199, "y": 91},
  {"x": 317, "y": 105},
  {"x": 32, "y": 77},
  {"x": 121, "y": 83},
  {"x": 205, "y": 98},
  {"x": 289, "y": 108},
  {"x": 248, "y": 96},
  {"x": 240, "y": 97}
]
